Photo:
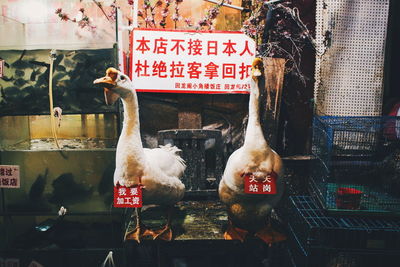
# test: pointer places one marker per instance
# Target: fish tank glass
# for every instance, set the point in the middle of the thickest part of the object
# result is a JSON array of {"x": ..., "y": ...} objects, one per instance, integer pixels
[
  {"x": 75, "y": 170},
  {"x": 67, "y": 160},
  {"x": 64, "y": 160}
]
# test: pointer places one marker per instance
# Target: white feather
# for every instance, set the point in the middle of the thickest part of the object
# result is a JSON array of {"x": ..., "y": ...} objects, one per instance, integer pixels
[{"x": 167, "y": 159}]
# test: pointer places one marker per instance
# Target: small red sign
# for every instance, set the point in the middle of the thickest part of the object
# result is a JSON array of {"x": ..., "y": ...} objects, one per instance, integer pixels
[
  {"x": 127, "y": 197},
  {"x": 257, "y": 185},
  {"x": 9, "y": 176}
]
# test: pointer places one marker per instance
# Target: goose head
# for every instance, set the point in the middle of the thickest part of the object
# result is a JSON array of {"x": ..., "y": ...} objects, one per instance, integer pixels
[
  {"x": 116, "y": 85},
  {"x": 257, "y": 82},
  {"x": 257, "y": 69}
]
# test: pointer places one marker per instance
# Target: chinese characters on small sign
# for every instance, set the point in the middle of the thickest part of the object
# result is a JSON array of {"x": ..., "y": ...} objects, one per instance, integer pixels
[
  {"x": 9, "y": 176},
  {"x": 191, "y": 62},
  {"x": 265, "y": 185},
  {"x": 127, "y": 197},
  {"x": 1, "y": 68}
]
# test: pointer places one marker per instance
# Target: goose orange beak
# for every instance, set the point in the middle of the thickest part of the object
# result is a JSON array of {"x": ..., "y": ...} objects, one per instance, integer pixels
[{"x": 106, "y": 81}]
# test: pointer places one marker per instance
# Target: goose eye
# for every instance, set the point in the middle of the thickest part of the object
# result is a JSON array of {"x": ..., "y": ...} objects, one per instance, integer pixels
[{"x": 122, "y": 78}]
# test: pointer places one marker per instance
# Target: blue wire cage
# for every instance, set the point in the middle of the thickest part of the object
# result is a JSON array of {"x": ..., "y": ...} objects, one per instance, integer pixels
[
  {"x": 357, "y": 164},
  {"x": 319, "y": 239}
]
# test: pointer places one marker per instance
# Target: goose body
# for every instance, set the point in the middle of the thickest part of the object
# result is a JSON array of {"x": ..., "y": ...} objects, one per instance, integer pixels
[
  {"x": 159, "y": 173},
  {"x": 250, "y": 212},
  {"x": 157, "y": 170}
]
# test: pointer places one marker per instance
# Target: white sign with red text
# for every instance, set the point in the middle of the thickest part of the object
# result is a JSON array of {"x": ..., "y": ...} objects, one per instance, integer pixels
[
  {"x": 191, "y": 61},
  {"x": 9, "y": 176}
]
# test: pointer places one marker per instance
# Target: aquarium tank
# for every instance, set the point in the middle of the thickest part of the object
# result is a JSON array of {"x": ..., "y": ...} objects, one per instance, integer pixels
[{"x": 54, "y": 122}]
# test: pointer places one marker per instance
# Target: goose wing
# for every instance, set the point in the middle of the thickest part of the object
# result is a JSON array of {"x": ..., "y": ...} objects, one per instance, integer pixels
[{"x": 167, "y": 159}]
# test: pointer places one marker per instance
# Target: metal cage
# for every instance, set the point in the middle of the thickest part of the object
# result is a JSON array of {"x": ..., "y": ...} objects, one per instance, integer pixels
[
  {"x": 317, "y": 239},
  {"x": 357, "y": 164}
]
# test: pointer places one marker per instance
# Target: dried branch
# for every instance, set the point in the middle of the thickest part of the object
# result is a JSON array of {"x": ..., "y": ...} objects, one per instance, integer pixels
[
  {"x": 101, "y": 8},
  {"x": 285, "y": 36},
  {"x": 84, "y": 22}
]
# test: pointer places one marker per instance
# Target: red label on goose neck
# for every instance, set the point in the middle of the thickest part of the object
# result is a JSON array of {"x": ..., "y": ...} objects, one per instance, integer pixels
[
  {"x": 266, "y": 185},
  {"x": 127, "y": 197}
]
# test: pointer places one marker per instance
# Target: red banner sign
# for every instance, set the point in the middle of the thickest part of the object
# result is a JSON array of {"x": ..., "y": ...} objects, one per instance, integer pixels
[
  {"x": 191, "y": 61},
  {"x": 127, "y": 197},
  {"x": 266, "y": 185}
]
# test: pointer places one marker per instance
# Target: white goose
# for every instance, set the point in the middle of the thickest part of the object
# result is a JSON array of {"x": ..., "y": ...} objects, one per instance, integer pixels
[
  {"x": 158, "y": 170},
  {"x": 249, "y": 213}
]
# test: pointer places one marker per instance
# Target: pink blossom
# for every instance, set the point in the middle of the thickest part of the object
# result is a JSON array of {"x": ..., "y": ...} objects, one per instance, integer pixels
[
  {"x": 188, "y": 21},
  {"x": 213, "y": 13},
  {"x": 176, "y": 17},
  {"x": 203, "y": 22},
  {"x": 64, "y": 17},
  {"x": 83, "y": 23}
]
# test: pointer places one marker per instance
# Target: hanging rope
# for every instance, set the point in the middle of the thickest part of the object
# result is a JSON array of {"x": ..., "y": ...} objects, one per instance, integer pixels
[{"x": 52, "y": 120}]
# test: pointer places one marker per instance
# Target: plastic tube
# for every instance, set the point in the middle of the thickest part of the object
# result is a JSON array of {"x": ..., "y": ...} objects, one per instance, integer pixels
[{"x": 52, "y": 120}]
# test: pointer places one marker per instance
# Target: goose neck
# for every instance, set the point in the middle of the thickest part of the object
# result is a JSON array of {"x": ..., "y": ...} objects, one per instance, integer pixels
[
  {"x": 254, "y": 134},
  {"x": 131, "y": 124}
]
